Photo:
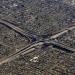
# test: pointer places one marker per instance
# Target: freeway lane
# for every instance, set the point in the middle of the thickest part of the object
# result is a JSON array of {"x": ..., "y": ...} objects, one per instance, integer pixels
[
  {"x": 25, "y": 50},
  {"x": 29, "y": 38},
  {"x": 32, "y": 47},
  {"x": 62, "y": 32},
  {"x": 15, "y": 28}
]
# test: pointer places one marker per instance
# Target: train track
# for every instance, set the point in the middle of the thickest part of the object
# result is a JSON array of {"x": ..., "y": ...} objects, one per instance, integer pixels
[{"x": 31, "y": 47}]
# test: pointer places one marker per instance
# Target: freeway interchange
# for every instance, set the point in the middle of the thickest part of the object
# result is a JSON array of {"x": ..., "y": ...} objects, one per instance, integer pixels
[{"x": 35, "y": 41}]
